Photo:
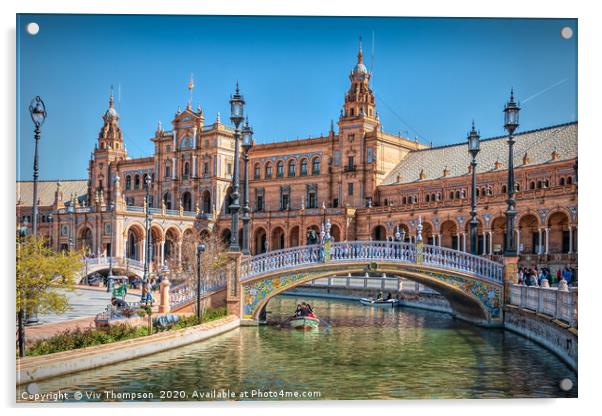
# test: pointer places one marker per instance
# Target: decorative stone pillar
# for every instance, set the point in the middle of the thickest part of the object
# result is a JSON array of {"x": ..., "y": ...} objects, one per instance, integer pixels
[
  {"x": 547, "y": 240},
  {"x": 164, "y": 301},
  {"x": 510, "y": 276},
  {"x": 539, "y": 241},
  {"x": 490, "y": 242},
  {"x": 464, "y": 242},
  {"x": 233, "y": 287},
  {"x": 458, "y": 241},
  {"x": 162, "y": 252},
  {"x": 570, "y": 239},
  {"x": 518, "y": 250},
  {"x": 439, "y": 240},
  {"x": 179, "y": 253}
]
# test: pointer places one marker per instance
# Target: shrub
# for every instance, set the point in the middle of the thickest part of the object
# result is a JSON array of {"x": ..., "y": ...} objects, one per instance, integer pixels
[{"x": 82, "y": 338}]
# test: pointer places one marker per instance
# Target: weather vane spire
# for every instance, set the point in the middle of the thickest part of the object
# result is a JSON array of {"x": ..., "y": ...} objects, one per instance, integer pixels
[{"x": 190, "y": 88}]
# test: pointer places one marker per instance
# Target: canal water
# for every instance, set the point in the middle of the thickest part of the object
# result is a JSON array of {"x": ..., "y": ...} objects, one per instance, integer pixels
[{"x": 359, "y": 353}]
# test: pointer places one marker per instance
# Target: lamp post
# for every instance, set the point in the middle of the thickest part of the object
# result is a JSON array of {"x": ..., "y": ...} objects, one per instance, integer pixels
[
  {"x": 147, "y": 221},
  {"x": 511, "y": 110},
  {"x": 474, "y": 146},
  {"x": 237, "y": 104},
  {"x": 247, "y": 144},
  {"x": 37, "y": 110},
  {"x": 200, "y": 249},
  {"x": 110, "y": 253}
]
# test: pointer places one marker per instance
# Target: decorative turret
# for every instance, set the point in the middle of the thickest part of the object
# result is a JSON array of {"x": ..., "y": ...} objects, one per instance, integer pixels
[
  {"x": 110, "y": 135},
  {"x": 359, "y": 100}
]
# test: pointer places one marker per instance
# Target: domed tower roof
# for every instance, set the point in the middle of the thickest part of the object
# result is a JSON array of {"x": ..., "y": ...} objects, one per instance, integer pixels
[
  {"x": 360, "y": 71},
  {"x": 111, "y": 114}
]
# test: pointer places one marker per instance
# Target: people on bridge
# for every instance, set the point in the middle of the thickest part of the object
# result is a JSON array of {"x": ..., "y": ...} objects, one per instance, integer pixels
[{"x": 567, "y": 275}]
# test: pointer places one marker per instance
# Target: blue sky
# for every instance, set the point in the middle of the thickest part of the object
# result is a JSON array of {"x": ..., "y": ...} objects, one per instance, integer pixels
[{"x": 431, "y": 77}]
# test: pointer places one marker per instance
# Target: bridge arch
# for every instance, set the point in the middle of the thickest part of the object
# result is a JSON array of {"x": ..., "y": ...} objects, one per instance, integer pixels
[{"x": 471, "y": 284}]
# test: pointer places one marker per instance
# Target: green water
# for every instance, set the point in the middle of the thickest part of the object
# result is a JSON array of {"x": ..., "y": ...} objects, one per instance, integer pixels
[{"x": 365, "y": 353}]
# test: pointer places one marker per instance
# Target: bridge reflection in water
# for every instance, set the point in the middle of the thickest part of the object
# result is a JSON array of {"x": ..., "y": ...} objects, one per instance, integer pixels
[{"x": 367, "y": 353}]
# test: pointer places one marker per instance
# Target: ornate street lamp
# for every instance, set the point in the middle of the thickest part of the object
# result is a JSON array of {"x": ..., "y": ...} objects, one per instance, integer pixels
[
  {"x": 147, "y": 222},
  {"x": 474, "y": 146},
  {"x": 37, "y": 110},
  {"x": 200, "y": 249},
  {"x": 511, "y": 110},
  {"x": 247, "y": 144},
  {"x": 237, "y": 104}
]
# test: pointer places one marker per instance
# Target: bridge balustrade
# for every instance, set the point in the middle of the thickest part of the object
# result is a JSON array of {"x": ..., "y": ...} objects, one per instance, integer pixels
[
  {"x": 551, "y": 301},
  {"x": 186, "y": 292},
  {"x": 379, "y": 251}
]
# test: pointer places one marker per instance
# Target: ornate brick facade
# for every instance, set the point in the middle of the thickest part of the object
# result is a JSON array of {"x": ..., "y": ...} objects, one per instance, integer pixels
[{"x": 366, "y": 181}]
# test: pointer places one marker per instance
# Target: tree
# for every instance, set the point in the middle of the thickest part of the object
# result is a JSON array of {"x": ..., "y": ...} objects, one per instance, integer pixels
[
  {"x": 40, "y": 271},
  {"x": 214, "y": 261}
]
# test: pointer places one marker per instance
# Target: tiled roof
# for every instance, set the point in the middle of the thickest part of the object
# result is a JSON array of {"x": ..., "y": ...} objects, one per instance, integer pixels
[
  {"x": 46, "y": 190},
  {"x": 538, "y": 144}
]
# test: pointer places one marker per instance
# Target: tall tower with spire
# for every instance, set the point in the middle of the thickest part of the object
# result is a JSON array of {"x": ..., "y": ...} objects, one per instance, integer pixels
[
  {"x": 359, "y": 100},
  {"x": 108, "y": 151},
  {"x": 358, "y": 128}
]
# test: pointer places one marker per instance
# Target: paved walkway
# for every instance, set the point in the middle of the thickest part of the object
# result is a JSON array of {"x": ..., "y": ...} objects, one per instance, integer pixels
[{"x": 86, "y": 302}]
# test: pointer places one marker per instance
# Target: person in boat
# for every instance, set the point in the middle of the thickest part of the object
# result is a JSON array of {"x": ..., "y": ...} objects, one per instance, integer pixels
[
  {"x": 310, "y": 312},
  {"x": 299, "y": 310},
  {"x": 389, "y": 297},
  {"x": 379, "y": 296}
]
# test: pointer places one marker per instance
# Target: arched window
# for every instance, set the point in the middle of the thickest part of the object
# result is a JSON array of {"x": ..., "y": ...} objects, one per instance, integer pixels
[
  {"x": 304, "y": 167},
  {"x": 427, "y": 198},
  {"x": 569, "y": 180},
  {"x": 187, "y": 201},
  {"x": 532, "y": 185},
  {"x": 315, "y": 166},
  {"x": 539, "y": 184},
  {"x": 457, "y": 195},
  {"x": 404, "y": 200},
  {"x": 186, "y": 170},
  {"x": 167, "y": 171},
  {"x": 167, "y": 200},
  {"x": 451, "y": 195},
  {"x": 478, "y": 192},
  {"x": 257, "y": 173},
  {"x": 137, "y": 182},
  {"x": 292, "y": 167},
  {"x": 128, "y": 183},
  {"x": 280, "y": 169},
  {"x": 268, "y": 170},
  {"x": 561, "y": 182},
  {"x": 546, "y": 183},
  {"x": 504, "y": 189}
]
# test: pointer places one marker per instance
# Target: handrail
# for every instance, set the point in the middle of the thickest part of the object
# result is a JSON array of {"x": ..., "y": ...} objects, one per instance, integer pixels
[{"x": 379, "y": 251}]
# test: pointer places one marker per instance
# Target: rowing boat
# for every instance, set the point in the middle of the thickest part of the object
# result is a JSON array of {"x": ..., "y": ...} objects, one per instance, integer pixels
[
  {"x": 304, "y": 322},
  {"x": 379, "y": 303}
]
